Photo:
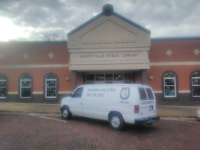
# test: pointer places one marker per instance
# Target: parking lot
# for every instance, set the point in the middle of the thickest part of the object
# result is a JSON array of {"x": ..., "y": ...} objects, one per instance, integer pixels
[{"x": 51, "y": 132}]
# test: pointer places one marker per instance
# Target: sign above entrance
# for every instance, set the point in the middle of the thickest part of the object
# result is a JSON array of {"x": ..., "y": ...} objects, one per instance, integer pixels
[{"x": 106, "y": 56}]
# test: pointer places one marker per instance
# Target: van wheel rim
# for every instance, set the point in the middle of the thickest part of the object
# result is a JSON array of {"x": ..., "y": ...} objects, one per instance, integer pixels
[
  {"x": 115, "y": 121},
  {"x": 65, "y": 112}
]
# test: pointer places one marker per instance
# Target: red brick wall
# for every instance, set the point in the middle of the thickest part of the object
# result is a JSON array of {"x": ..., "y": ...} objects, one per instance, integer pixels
[
  {"x": 183, "y": 73},
  {"x": 182, "y": 50},
  {"x": 38, "y": 53},
  {"x": 38, "y": 75}
]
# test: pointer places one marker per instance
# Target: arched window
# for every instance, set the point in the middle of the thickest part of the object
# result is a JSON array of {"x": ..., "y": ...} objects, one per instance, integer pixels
[
  {"x": 25, "y": 86},
  {"x": 3, "y": 87},
  {"x": 169, "y": 84},
  {"x": 51, "y": 86},
  {"x": 195, "y": 84}
]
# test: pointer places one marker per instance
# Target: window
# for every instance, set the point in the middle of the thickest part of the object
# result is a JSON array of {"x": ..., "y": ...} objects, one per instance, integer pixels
[
  {"x": 90, "y": 77},
  {"x": 110, "y": 78},
  {"x": 25, "y": 86},
  {"x": 169, "y": 82},
  {"x": 3, "y": 87},
  {"x": 118, "y": 76},
  {"x": 99, "y": 77},
  {"x": 78, "y": 93},
  {"x": 150, "y": 94},
  {"x": 143, "y": 95},
  {"x": 51, "y": 86},
  {"x": 196, "y": 84}
]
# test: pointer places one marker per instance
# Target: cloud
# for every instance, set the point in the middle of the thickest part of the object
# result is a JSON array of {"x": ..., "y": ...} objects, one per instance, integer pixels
[{"x": 163, "y": 18}]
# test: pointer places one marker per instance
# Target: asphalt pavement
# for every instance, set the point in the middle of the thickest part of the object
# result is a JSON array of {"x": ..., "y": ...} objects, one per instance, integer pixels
[{"x": 40, "y": 108}]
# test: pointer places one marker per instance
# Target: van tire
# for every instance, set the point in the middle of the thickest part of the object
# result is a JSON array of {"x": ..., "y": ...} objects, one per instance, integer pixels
[
  {"x": 66, "y": 114},
  {"x": 116, "y": 121}
]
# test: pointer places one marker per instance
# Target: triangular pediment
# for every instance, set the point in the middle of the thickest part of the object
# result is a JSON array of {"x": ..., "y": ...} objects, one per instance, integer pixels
[{"x": 108, "y": 32}]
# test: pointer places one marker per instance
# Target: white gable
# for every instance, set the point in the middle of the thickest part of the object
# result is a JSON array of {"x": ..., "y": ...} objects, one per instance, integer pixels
[
  {"x": 109, "y": 43},
  {"x": 108, "y": 32}
]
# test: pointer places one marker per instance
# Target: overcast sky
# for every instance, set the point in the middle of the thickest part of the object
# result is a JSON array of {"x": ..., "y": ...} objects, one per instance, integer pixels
[{"x": 32, "y": 19}]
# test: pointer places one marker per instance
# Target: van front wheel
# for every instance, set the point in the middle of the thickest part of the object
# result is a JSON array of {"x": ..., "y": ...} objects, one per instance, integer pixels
[
  {"x": 66, "y": 114},
  {"x": 116, "y": 121}
]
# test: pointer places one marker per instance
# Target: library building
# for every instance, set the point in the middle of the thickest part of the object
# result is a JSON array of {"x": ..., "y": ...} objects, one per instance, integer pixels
[{"x": 108, "y": 49}]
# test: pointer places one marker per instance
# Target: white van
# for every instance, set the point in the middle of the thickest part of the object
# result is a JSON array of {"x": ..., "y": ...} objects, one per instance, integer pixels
[{"x": 116, "y": 103}]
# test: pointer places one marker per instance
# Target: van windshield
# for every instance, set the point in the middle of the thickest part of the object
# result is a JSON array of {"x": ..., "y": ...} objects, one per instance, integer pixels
[
  {"x": 143, "y": 95},
  {"x": 150, "y": 94}
]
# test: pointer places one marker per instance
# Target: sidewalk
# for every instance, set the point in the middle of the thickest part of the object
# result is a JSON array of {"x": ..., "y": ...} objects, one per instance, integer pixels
[{"x": 25, "y": 108}]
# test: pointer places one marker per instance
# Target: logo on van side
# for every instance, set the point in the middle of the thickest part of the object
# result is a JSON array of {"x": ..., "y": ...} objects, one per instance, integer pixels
[{"x": 125, "y": 93}]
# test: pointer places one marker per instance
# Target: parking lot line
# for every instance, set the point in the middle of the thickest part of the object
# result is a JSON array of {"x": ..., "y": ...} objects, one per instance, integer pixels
[{"x": 47, "y": 117}]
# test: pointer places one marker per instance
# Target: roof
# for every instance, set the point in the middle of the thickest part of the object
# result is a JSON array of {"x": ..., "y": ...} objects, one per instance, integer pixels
[
  {"x": 108, "y": 11},
  {"x": 175, "y": 38},
  {"x": 34, "y": 42},
  {"x": 65, "y": 42}
]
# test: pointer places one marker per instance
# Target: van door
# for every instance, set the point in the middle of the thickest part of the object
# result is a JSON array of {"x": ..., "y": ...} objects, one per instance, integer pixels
[
  {"x": 75, "y": 104},
  {"x": 147, "y": 100},
  {"x": 90, "y": 107}
]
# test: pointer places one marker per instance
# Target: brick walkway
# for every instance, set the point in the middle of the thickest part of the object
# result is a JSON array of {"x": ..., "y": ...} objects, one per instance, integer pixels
[{"x": 51, "y": 132}]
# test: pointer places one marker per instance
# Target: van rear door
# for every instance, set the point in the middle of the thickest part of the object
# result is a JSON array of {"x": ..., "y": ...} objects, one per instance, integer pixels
[{"x": 147, "y": 101}]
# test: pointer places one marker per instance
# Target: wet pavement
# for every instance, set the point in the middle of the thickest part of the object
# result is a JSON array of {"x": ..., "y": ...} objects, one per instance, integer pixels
[{"x": 52, "y": 132}]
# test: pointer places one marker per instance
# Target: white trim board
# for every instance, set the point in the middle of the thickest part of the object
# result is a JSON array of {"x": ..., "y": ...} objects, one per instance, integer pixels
[
  {"x": 35, "y": 66},
  {"x": 181, "y": 91},
  {"x": 174, "y": 63}
]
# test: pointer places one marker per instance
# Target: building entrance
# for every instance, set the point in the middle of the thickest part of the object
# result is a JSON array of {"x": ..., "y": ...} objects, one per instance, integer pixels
[{"x": 110, "y": 78}]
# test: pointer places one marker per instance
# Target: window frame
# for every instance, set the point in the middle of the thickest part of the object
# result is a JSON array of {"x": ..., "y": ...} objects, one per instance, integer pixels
[
  {"x": 76, "y": 90},
  {"x": 5, "y": 76},
  {"x": 140, "y": 94},
  {"x": 25, "y": 87},
  {"x": 191, "y": 83},
  {"x": 175, "y": 85},
  {"x": 45, "y": 87},
  {"x": 31, "y": 88}
]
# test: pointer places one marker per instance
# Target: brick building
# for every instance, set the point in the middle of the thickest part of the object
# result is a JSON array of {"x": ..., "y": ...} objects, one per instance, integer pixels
[{"x": 106, "y": 49}]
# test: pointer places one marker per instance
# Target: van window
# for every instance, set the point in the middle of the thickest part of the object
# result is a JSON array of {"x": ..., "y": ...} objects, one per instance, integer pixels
[
  {"x": 150, "y": 94},
  {"x": 78, "y": 93},
  {"x": 143, "y": 95}
]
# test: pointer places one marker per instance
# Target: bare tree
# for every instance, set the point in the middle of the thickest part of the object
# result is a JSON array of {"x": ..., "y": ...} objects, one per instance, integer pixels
[{"x": 54, "y": 37}]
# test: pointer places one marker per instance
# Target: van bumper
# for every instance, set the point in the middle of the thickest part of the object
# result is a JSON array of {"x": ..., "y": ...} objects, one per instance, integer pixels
[{"x": 147, "y": 120}]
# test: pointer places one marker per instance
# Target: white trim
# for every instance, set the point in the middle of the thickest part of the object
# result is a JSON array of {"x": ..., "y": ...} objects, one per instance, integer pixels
[
  {"x": 174, "y": 63},
  {"x": 184, "y": 91},
  {"x": 64, "y": 92},
  {"x": 59, "y": 92},
  {"x": 157, "y": 91},
  {"x": 116, "y": 49},
  {"x": 38, "y": 92},
  {"x": 35, "y": 66},
  {"x": 12, "y": 92},
  {"x": 180, "y": 91}
]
